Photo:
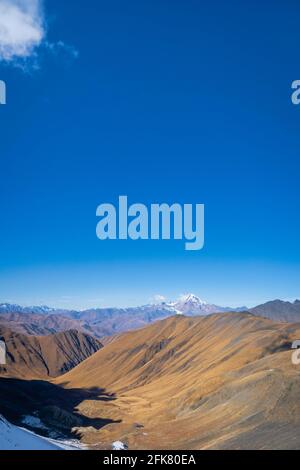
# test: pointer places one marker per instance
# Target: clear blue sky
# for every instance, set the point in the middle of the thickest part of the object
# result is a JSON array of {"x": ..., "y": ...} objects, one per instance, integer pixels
[{"x": 182, "y": 101}]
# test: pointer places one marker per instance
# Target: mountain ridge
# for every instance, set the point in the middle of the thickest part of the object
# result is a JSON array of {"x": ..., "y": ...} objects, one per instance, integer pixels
[
  {"x": 279, "y": 310},
  {"x": 106, "y": 322},
  {"x": 100, "y": 322},
  {"x": 45, "y": 356}
]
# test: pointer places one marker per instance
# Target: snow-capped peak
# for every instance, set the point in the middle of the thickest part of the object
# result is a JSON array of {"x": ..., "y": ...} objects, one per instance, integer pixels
[
  {"x": 190, "y": 304},
  {"x": 191, "y": 299}
]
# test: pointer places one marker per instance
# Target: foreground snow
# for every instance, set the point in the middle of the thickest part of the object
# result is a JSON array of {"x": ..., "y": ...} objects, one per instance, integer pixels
[{"x": 14, "y": 438}]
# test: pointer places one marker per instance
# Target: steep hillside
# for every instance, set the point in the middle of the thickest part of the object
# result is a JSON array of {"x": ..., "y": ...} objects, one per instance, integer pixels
[
  {"x": 223, "y": 380},
  {"x": 42, "y": 356}
]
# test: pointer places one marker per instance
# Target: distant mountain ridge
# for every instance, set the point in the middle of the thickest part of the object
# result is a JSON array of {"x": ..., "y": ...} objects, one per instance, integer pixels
[
  {"x": 279, "y": 310},
  {"x": 188, "y": 304},
  {"x": 101, "y": 321},
  {"x": 31, "y": 323},
  {"x": 191, "y": 305},
  {"x": 104, "y": 322},
  {"x": 15, "y": 308}
]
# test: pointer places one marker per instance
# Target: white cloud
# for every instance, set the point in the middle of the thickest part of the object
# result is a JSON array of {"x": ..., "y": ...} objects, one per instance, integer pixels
[
  {"x": 22, "y": 28},
  {"x": 158, "y": 298}
]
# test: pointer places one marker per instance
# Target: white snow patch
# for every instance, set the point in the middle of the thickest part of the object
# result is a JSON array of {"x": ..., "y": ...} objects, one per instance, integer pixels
[
  {"x": 15, "y": 438},
  {"x": 119, "y": 445}
]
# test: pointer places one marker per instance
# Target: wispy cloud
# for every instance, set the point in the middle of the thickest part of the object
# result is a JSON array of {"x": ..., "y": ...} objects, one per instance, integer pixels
[
  {"x": 61, "y": 47},
  {"x": 23, "y": 32},
  {"x": 22, "y": 28}
]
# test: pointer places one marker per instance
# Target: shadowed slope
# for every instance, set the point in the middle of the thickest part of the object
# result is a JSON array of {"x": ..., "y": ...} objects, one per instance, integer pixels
[{"x": 54, "y": 405}]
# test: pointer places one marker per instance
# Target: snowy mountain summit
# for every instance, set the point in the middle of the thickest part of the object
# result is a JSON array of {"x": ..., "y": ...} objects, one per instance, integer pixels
[
  {"x": 191, "y": 300},
  {"x": 190, "y": 304}
]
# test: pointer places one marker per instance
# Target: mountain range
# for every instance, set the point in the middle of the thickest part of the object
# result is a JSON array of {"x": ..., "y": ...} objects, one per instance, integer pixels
[
  {"x": 219, "y": 381},
  {"x": 105, "y": 322},
  {"x": 100, "y": 322}
]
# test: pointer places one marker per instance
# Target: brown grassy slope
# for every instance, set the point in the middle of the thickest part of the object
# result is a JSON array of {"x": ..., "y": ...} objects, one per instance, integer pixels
[
  {"x": 206, "y": 382},
  {"x": 42, "y": 356}
]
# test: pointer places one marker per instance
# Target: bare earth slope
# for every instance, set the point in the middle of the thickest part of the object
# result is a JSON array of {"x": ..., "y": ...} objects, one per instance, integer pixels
[
  {"x": 45, "y": 356},
  {"x": 222, "y": 381}
]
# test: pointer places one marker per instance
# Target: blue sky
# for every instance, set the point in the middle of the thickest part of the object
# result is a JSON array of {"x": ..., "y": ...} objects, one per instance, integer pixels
[{"x": 183, "y": 102}]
